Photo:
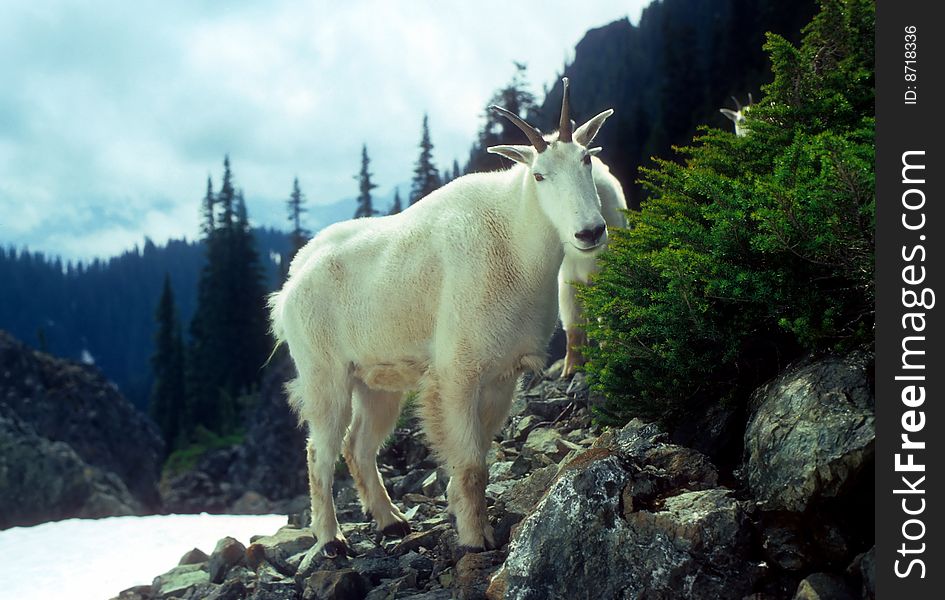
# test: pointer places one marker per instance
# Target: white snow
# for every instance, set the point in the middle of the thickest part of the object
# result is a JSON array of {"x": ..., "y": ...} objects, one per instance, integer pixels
[
  {"x": 95, "y": 559},
  {"x": 87, "y": 357}
]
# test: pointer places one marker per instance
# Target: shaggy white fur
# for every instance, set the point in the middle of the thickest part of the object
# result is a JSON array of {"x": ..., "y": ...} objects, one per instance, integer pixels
[{"x": 455, "y": 296}]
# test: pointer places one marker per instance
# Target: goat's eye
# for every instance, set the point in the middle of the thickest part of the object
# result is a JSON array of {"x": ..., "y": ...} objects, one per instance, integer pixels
[
  {"x": 539, "y": 177},
  {"x": 587, "y": 159}
]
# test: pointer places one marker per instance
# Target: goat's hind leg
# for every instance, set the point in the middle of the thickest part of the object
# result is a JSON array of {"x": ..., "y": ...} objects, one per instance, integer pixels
[
  {"x": 375, "y": 415},
  {"x": 326, "y": 407}
]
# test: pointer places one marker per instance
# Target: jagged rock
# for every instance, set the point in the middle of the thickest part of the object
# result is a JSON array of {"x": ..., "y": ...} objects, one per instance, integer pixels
[
  {"x": 500, "y": 471},
  {"x": 522, "y": 494},
  {"x": 342, "y": 584},
  {"x": 811, "y": 433},
  {"x": 278, "y": 548},
  {"x": 799, "y": 542},
  {"x": 177, "y": 581},
  {"x": 578, "y": 386},
  {"x": 419, "y": 539},
  {"x": 863, "y": 568},
  {"x": 614, "y": 523},
  {"x": 411, "y": 483},
  {"x": 435, "y": 483},
  {"x": 195, "y": 556},
  {"x": 233, "y": 589},
  {"x": 73, "y": 405},
  {"x": 227, "y": 554},
  {"x": 47, "y": 481},
  {"x": 523, "y": 426},
  {"x": 716, "y": 431},
  {"x": 138, "y": 592},
  {"x": 823, "y": 586},
  {"x": 549, "y": 409},
  {"x": 472, "y": 573},
  {"x": 542, "y": 441}
]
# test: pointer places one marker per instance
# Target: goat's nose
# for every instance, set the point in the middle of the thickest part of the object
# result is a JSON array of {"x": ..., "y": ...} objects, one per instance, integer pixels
[{"x": 591, "y": 236}]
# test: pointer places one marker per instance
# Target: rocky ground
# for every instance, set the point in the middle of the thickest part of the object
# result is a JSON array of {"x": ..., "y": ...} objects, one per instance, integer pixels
[{"x": 587, "y": 512}]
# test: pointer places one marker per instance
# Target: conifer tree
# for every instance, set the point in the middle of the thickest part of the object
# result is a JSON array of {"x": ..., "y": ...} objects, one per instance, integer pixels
[
  {"x": 208, "y": 222},
  {"x": 167, "y": 404},
  {"x": 296, "y": 206},
  {"x": 229, "y": 341},
  {"x": 365, "y": 203},
  {"x": 396, "y": 206},
  {"x": 456, "y": 172},
  {"x": 497, "y": 130},
  {"x": 425, "y": 176},
  {"x": 226, "y": 196}
]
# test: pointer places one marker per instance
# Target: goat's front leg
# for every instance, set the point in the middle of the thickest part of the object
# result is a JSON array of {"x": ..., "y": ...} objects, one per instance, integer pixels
[
  {"x": 573, "y": 359},
  {"x": 570, "y": 312},
  {"x": 451, "y": 417}
]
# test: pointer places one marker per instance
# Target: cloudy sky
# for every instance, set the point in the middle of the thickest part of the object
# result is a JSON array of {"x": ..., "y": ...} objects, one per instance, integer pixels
[{"x": 113, "y": 114}]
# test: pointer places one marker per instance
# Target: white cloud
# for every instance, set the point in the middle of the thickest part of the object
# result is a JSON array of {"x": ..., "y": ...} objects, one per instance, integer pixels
[{"x": 113, "y": 114}]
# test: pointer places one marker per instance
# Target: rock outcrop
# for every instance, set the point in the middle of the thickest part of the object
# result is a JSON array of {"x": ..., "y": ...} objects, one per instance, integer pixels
[
  {"x": 74, "y": 437},
  {"x": 809, "y": 456},
  {"x": 633, "y": 517},
  {"x": 811, "y": 433},
  {"x": 47, "y": 481}
]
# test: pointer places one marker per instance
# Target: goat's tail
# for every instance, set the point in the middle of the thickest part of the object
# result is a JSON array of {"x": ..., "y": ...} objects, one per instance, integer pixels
[{"x": 276, "y": 302}]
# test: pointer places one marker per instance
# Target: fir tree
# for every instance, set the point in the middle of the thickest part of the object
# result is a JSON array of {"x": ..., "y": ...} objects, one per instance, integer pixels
[
  {"x": 456, "y": 172},
  {"x": 167, "y": 404},
  {"x": 497, "y": 130},
  {"x": 226, "y": 196},
  {"x": 208, "y": 222},
  {"x": 229, "y": 341},
  {"x": 365, "y": 203},
  {"x": 425, "y": 176},
  {"x": 296, "y": 206},
  {"x": 396, "y": 206}
]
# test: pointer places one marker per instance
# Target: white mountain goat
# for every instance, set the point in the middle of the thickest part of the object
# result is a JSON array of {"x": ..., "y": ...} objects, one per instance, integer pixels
[
  {"x": 577, "y": 268},
  {"x": 455, "y": 297},
  {"x": 737, "y": 116}
]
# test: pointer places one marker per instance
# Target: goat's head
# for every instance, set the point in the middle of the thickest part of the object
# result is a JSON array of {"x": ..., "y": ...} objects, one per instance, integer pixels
[
  {"x": 560, "y": 171},
  {"x": 737, "y": 116}
]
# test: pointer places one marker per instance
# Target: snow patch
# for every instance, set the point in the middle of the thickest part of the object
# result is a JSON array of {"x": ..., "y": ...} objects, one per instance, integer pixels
[
  {"x": 86, "y": 357},
  {"x": 98, "y": 558}
]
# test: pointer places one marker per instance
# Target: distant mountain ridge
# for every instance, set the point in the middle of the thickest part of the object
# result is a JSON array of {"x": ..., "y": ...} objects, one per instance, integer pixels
[{"x": 103, "y": 312}]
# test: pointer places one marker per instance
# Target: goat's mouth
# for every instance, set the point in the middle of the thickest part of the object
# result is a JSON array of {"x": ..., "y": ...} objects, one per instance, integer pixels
[{"x": 589, "y": 249}]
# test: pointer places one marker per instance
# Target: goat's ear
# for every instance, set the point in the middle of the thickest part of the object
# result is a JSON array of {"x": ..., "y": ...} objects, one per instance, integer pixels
[
  {"x": 594, "y": 151},
  {"x": 586, "y": 133},
  {"x": 731, "y": 114},
  {"x": 520, "y": 154}
]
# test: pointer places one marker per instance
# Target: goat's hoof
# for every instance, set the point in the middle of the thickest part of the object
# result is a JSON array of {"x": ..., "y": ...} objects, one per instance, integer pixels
[
  {"x": 335, "y": 548},
  {"x": 397, "y": 529}
]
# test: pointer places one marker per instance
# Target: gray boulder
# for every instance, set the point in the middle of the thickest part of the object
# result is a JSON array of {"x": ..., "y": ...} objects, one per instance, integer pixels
[
  {"x": 44, "y": 480},
  {"x": 633, "y": 517},
  {"x": 811, "y": 433}
]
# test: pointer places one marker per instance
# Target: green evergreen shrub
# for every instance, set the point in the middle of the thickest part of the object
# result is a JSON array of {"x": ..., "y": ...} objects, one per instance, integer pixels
[{"x": 754, "y": 249}]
